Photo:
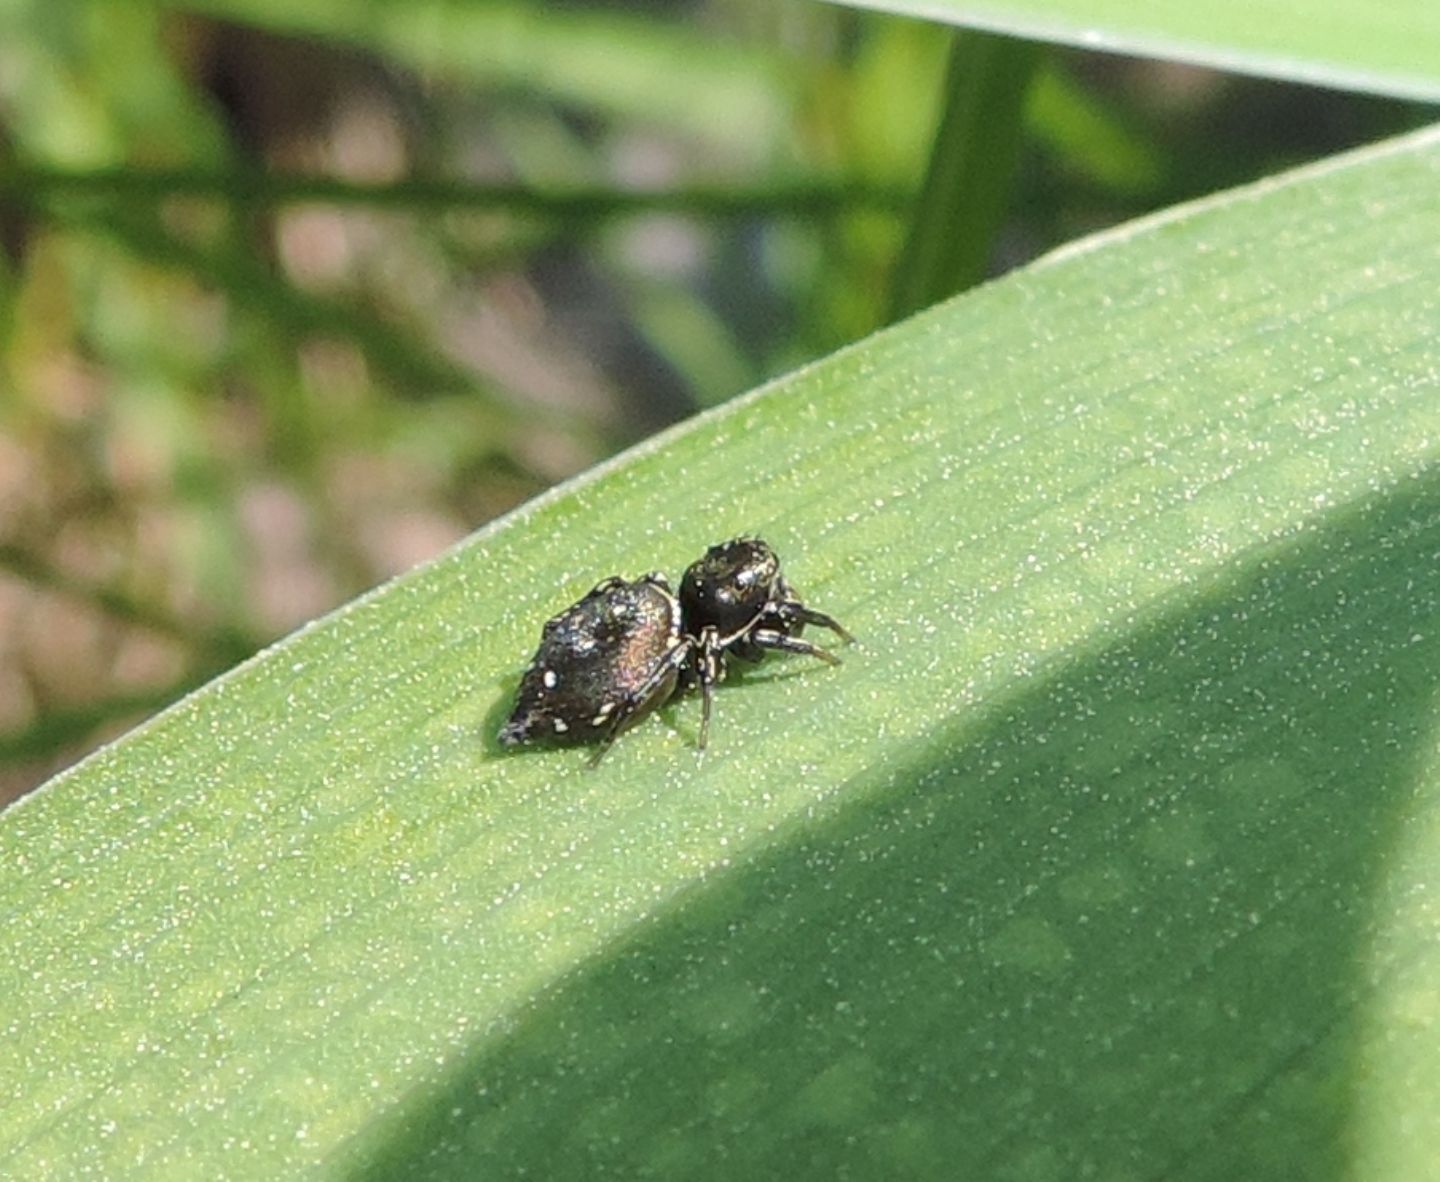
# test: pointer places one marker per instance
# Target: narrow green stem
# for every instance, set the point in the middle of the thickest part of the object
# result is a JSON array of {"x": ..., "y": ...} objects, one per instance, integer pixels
[
  {"x": 972, "y": 166},
  {"x": 578, "y": 203}
]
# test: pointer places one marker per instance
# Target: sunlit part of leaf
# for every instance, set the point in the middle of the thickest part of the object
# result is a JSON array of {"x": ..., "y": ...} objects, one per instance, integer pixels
[{"x": 1105, "y": 853}]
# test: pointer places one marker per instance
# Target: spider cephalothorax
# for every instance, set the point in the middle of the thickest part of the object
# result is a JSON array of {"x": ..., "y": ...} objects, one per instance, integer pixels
[{"x": 735, "y": 602}]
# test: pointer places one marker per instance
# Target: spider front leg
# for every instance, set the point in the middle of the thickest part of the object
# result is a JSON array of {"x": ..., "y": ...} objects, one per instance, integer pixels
[
  {"x": 650, "y": 694},
  {"x": 773, "y": 638},
  {"x": 710, "y": 670},
  {"x": 796, "y": 615}
]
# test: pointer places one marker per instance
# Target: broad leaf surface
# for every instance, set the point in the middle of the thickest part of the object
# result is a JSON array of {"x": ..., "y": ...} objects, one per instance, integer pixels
[{"x": 1108, "y": 852}]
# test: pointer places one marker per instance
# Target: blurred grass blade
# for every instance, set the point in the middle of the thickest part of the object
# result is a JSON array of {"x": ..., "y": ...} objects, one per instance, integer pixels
[
  {"x": 1108, "y": 852},
  {"x": 1093, "y": 135},
  {"x": 1391, "y": 48},
  {"x": 972, "y": 164}
]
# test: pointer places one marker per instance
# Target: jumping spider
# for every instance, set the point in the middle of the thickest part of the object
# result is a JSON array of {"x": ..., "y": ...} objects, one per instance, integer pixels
[{"x": 623, "y": 650}]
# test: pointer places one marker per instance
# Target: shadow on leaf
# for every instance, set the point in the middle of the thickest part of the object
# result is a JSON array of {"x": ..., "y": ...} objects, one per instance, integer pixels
[{"x": 1118, "y": 925}]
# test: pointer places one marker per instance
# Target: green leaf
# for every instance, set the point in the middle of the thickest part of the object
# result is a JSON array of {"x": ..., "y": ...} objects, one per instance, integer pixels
[
  {"x": 1108, "y": 852},
  {"x": 1391, "y": 48}
]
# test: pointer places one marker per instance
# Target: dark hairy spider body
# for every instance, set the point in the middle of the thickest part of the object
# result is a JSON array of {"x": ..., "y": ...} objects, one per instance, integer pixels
[{"x": 623, "y": 650}]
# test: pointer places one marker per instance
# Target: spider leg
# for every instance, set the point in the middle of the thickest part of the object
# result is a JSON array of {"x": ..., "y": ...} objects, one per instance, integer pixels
[
  {"x": 798, "y": 615},
  {"x": 605, "y": 585},
  {"x": 710, "y": 671},
  {"x": 773, "y": 638},
  {"x": 650, "y": 694}
]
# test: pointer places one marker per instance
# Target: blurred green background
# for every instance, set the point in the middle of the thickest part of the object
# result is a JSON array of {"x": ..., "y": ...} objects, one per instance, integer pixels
[{"x": 292, "y": 297}]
